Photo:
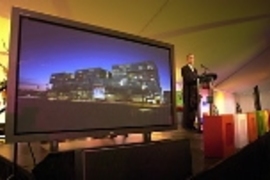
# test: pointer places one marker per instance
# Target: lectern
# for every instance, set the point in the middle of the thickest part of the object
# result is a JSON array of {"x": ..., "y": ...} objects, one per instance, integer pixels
[{"x": 206, "y": 81}]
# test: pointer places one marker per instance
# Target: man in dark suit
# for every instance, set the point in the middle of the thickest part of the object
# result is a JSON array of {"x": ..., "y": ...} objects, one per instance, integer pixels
[{"x": 190, "y": 93}]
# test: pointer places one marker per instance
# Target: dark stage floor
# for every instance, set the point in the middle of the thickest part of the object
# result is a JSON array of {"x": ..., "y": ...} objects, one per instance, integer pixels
[{"x": 25, "y": 160}]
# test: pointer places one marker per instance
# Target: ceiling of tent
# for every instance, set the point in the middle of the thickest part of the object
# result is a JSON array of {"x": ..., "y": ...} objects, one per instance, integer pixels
[{"x": 231, "y": 38}]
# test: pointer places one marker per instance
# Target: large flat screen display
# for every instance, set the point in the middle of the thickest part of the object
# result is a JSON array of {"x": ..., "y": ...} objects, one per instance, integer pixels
[{"x": 67, "y": 78}]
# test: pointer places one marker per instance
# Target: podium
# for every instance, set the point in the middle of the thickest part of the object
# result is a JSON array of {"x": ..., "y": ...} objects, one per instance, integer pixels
[
  {"x": 218, "y": 136},
  {"x": 252, "y": 126},
  {"x": 262, "y": 122},
  {"x": 206, "y": 81},
  {"x": 241, "y": 130},
  {"x": 266, "y": 120}
]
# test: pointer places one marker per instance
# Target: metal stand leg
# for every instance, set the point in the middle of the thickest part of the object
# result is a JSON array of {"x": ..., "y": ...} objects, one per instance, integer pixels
[
  {"x": 147, "y": 137},
  {"x": 54, "y": 146},
  {"x": 15, "y": 160},
  {"x": 14, "y": 174},
  {"x": 199, "y": 108},
  {"x": 211, "y": 94}
]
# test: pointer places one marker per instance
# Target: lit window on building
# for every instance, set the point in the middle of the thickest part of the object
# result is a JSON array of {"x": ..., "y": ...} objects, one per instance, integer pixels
[
  {"x": 121, "y": 67},
  {"x": 150, "y": 67},
  {"x": 99, "y": 93},
  {"x": 140, "y": 67}
]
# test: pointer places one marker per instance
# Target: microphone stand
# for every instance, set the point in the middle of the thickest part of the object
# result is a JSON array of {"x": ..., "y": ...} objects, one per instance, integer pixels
[
  {"x": 199, "y": 118},
  {"x": 206, "y": 70},
  {"x": 211, "y": 90},
  {"x": 199, "y": 121}
]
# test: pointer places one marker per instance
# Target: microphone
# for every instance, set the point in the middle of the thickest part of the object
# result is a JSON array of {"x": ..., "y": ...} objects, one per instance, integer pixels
[{"x": 205, "y": 68}]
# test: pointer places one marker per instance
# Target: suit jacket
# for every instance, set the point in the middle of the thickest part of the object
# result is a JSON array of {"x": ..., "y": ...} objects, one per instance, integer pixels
[{"x": 190, "y": 92}]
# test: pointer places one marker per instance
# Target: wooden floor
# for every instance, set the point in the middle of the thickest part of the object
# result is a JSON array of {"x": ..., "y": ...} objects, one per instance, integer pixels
[{"x": 25, "y": 159}]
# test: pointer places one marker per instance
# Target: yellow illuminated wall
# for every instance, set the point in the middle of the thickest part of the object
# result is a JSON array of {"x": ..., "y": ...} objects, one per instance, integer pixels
[
  {"x": 225, "y": 102},
  {"x": 4, "y": 40},
  {"x": 220, "y": 101}
]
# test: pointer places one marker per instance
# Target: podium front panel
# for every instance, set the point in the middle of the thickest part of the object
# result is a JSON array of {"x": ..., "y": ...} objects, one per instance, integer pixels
[
  {"x": 266, "y": 120},
  {"x": 241, "y": 130},
  {"x": 261, "y": 125},
  {"x": 252, "y": 126},
  {"x": 218, "y": 136}
]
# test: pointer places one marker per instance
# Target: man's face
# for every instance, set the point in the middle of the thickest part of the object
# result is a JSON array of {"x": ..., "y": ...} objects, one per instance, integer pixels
[{"x": 190, "y": 59}]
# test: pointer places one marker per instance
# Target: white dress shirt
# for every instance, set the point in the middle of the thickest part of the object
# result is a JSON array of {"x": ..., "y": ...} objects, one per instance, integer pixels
[{"x": 191, "y": 67}]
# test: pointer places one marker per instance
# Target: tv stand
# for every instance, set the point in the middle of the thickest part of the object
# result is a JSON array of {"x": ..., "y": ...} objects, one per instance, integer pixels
[
  {"x": 113, "y": 135},
  {"x": 147, "y": 137},
  {"x": 54, "y": 146}
]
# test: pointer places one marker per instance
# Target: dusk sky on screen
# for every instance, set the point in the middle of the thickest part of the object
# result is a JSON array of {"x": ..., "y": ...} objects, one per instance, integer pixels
[{"x": 47, "y": 49}]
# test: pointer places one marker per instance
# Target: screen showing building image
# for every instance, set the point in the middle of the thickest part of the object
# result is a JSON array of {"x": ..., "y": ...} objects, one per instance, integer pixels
[{"x": 70, "y": 79}]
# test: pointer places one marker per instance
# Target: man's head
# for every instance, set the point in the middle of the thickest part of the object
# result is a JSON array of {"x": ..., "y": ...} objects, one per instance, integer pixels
[{"x": 190, "y": 59}]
